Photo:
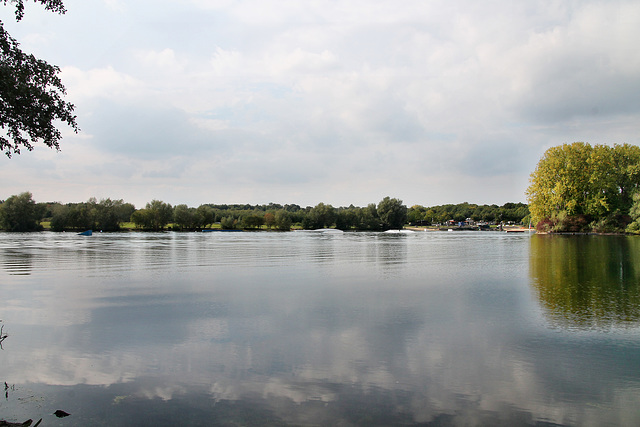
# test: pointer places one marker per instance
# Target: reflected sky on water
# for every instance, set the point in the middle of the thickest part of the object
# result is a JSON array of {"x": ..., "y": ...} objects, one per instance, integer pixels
[{"x": 306, "y": 328}]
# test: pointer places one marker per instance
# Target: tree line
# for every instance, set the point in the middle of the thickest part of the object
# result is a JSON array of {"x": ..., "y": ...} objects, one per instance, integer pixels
[
  {"x": 517, "y": 213},
  {"x": 22, "y": 213}
]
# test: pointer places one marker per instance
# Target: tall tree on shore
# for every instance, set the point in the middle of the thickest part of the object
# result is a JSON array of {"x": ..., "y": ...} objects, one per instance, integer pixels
[
  {"x": 392, "y": 213},
  {"x": 31, "y": 93},
  {"x": 160, "y": 214},
  {"x": 320, "y": 216},
  {"x": 19, "y": 213},
  {"x": 578, "y": 179}
]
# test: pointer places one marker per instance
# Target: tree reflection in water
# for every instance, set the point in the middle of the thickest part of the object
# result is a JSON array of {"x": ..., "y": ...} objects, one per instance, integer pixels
[{"x": 587, "y": 282}]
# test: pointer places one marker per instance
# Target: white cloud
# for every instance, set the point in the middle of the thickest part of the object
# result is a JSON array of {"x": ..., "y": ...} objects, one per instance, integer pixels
[
  {"x": 162, "y": 62},
  {"x": 115, "y": 5},
  {"x": 102, "y": 83}
]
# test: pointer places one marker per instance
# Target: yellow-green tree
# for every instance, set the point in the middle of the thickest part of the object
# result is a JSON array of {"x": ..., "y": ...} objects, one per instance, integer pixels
[
  {"x": 626, "y": 158},
  {"x": 634, "y": 213},
  {"x": 578, "y": 179},
  {"x": 560, "y": 181}
]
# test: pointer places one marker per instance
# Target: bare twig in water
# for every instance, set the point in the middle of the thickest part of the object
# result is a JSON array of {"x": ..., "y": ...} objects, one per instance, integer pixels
[{"x": 2, "y": 335}]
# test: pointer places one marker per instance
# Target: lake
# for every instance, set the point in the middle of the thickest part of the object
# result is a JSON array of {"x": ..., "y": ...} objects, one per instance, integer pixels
[{"x": 330, "y": 329}]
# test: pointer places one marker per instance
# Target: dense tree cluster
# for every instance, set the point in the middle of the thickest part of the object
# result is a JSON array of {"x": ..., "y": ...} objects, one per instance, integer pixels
[
  {"x": 105, "y": 215},
  {"x": 509, "y": 212},
  {"x": 389, "y": 213},
  {"x": 20, "y": 213},
  {"x": 579, "y": 187}
]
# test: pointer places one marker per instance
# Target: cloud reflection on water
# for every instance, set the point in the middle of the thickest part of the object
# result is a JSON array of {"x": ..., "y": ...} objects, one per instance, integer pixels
[{"x": 411, "y": 329}]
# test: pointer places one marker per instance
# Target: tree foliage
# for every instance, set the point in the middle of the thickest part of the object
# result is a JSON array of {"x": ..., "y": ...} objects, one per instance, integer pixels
[
  {"x": 253, "y": 221},
  {"x": 368, "y": 219},
  {"x": 228, "y": 223},
  {"x": 31, "y": 93},
  {"x": 392, "y": 213},
  {"x": 185, "y": 217},
  {"x": 19, "y": 213},
  {"x": 578, "y": 183},
  {"x": 106, "y": 215},
  {"x": 282, "y": 220},
  {"x": 634, "y": 215},
  {"x": 509, "y": 212},
  {"x": 269, "y": 220},
  {"x": 321, "y": 216},
  {"x": 158, "y": 214},
  {"x": 51, "y": 5},
  {"x": 109, "y": 214}
]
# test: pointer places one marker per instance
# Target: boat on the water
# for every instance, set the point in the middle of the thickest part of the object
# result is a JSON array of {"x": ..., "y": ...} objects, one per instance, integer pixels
[{"x": 86, "y": 233}]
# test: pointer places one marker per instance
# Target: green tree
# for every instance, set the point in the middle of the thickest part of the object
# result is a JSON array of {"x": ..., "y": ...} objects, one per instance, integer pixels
[
  {"x": 142, "y": 218},
  {"x": 634, "y": 214},
  {"x": 392, "y": 213},
  {"x": 514, "y": 212},
  {"x": 577, "y": 183},
  {"x": 110, "y": 213},
  {"x": 160, "y": 214},
  {"x": 346, "y": 218},
  {"x": 206, "y": 215},
  {"x": 228, "y": 223},
  {"x": 430, "y": 216},
  {"x": 186, "y": 217},
  {"x": 31, "y": 93},
  {"x": 282, "y": 220},
  {"x": 416, "y": 214},
  {"x": 19, "y": 213},
  {"x": 253, "y": 221},
  {"x": 368, "y": 218},
  {"x": 59, "y": 217},
  {"x": 626, "y": 158},
  {"x": 89, "y": 215},
  {"x": 320, "y": 216},
  {"x": 82, "y": 216},
  {"x": 124, "y": 211}
]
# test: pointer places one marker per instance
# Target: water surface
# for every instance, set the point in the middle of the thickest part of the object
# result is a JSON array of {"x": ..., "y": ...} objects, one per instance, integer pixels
[{"x": 305, "y": 328}]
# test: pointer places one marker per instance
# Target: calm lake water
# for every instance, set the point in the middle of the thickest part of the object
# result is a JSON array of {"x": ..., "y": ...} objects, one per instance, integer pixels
[{"x": 307, "y": 328}]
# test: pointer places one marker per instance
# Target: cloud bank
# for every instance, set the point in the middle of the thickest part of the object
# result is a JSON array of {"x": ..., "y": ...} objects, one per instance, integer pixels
[{"x": 252, "y": 102}]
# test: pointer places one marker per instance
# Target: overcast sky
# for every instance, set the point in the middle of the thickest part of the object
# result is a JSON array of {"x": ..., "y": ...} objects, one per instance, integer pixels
[{"x": 294, "y": 101}]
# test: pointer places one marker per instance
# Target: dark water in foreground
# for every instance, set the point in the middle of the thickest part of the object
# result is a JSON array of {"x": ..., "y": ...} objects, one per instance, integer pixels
[{"x": 320, "y": 329}]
